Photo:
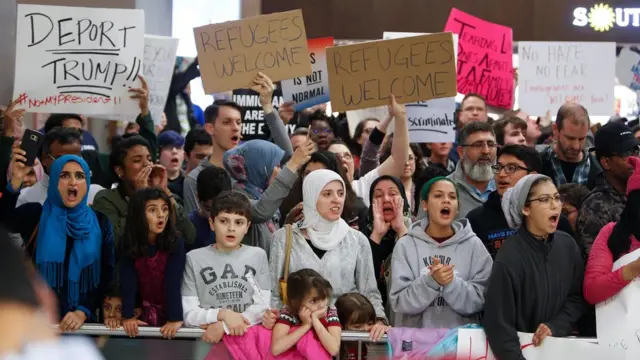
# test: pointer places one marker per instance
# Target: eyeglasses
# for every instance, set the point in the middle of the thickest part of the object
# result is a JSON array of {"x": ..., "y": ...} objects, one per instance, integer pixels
[
  {"x": 508, "y": 169},
  {"x": 322, "y": 130},
  {"x": 480, "y": 145},
  {"x": 545, "y": 200}
]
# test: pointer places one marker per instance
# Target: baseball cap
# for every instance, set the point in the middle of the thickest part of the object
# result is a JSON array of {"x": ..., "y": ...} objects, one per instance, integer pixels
[
  {"x": 615, "y": 139},
  {"x": 170, "y": 138}
]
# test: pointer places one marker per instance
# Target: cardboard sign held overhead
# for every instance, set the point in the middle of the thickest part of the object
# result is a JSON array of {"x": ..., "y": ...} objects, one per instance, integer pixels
[
  {"x": 232, "y": 53},
  {"x": 413, "y": 69}
]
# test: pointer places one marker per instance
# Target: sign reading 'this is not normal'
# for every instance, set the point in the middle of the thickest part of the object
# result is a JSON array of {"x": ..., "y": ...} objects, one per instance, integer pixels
[{"x": 80, "y": 60}]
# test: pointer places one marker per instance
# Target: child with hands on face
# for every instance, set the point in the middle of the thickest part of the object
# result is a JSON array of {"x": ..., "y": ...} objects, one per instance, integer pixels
[{"x": 307, "y": 309}]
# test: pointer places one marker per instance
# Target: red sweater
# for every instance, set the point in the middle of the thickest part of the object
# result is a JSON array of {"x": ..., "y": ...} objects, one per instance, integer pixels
[{"x": 600, "y": 283}]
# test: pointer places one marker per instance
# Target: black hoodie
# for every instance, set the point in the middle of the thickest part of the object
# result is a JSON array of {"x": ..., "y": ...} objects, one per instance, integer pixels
[
  {"x": 533, "y": 282},
  {"x": 490, "y": 225}
]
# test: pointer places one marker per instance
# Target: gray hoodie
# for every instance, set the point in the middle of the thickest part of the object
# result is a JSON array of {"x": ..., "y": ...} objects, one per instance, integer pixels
[{"x": 417, "y": 299}]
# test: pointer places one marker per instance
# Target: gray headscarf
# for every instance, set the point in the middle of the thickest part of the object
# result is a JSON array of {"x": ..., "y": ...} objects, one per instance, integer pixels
[{"x": 515, "y": 198}]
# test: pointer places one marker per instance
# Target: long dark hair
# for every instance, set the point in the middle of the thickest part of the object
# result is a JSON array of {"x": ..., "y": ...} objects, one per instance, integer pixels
[
  {"x": 620, "y": 239},
  {"x": 136, "y": 229},
  {"x": 300, "y": 284}
]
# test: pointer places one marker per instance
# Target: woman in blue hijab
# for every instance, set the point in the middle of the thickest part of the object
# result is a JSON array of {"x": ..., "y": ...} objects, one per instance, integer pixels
[{"x": 71, "y": 245}]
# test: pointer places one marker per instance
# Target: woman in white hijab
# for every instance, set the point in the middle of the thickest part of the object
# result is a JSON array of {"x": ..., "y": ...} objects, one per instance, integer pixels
[{"x": 325, "y": 243}]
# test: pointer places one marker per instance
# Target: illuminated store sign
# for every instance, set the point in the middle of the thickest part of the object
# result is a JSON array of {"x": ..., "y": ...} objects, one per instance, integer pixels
[{"x": 602, "y": 17}]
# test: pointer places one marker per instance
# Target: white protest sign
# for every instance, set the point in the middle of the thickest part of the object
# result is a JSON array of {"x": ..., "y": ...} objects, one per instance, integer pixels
[
  {"x": 473, "y": 345},
  {"x": 432, "y": 121},
  {"x": 552, "y": 73},
  {"x": 159, "y": 62},
  {"x": 78, "y": 60},
  {"x": 312, "y": 89},
  {"x": 628, "y": 68},
  {"x": 618, "y": 318}
]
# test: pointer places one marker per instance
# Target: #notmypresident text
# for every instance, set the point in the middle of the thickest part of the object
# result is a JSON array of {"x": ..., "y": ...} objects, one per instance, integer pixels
[{"x": 80, "y": 60}]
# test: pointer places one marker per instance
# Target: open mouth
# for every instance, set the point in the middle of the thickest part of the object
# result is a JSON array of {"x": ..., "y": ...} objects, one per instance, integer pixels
[
  {"x": 554, "y": 219},
  {"x": 387, "y": 210},
  {"x": 175, "y": 161},
  {"x": 335, "y": 208},
  {"x": 72, "y": 194},
  {"x": 230, "y": 238},
  {"x": 235, "y": 138},
  {"x": 503, "y": 183},
  {"x": 160, "y": 224},
  {"x": 445, "y": 212}
]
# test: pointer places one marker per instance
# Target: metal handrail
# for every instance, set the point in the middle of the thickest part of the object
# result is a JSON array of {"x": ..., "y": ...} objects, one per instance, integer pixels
[{"x": 191, "y": 333}]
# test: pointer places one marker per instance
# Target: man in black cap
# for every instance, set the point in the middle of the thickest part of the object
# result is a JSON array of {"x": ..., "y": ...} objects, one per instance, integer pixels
[{"x": 614, "y": 143}]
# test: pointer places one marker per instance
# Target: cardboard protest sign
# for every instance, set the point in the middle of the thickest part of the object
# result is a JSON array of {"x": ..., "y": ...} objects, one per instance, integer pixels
[
  {"x": 485, "y": 64},
  {"x": 78, "y": 60},
  {"x": 313, "y": 89},
  {"x": 159, "y": 62},
  {"x": 552, "y": 73},
  {"x": 432, "y": 121},
  {"x": 232, "y": 53},
  {"x": 253, "y": 124},
  {"x": 617, "y": 318},
  {"x": 473, "y": 345},
  {"x": 628, "y": 67},
  {"x": 413, "y": 69},
  {"x": 388, "y": 35}
]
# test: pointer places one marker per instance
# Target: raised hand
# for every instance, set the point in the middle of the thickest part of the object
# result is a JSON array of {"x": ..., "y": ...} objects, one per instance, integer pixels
[
  {"x": 18, "y": 168},
  {"x": 142, "y": 95},
  {"x": 380, "y": 227},
  {"x": 397, "y": 224},
  {"x": 12, "y": 120},
  {"x": 263, "y": 85}
]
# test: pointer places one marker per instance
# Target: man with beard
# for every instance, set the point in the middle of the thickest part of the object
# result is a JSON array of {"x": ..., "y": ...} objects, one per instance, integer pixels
[
  {"x": 567, "y": 161},
  {"x": 473, "y": 175}
]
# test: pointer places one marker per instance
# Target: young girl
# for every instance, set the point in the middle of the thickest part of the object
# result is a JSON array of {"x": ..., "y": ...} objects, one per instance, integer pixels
[
  {"x": 355, "y": 313},
  {"x": 307, "y": 308},
  {"x": 153, "y": 263}
]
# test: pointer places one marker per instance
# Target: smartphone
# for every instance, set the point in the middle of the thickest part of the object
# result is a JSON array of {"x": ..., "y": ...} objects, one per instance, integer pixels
[{"x": 31, "y": 141}]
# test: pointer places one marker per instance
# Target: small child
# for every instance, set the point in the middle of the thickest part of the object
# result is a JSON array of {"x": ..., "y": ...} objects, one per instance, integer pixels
[
  {"x": 211, "y": 182},
  {"x": 153, "y": 263},
  {"x": 216, "y": 289},
  {"x": 356, "y": 313},
  {"x": 307, "y": 308},
  {"x": 112, "y": 308}
]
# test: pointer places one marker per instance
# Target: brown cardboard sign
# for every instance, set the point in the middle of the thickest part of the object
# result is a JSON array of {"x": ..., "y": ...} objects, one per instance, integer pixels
[
  {"x": 232, "y": 53},
  {"x": 107, "y": 4},
  {"x": 413, "y": 69}
]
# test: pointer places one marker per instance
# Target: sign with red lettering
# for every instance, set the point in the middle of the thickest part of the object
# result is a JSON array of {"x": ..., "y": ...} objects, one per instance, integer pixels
[
  {"x": 552, "y": 73},
  {"x": 485, "y": 64},
  {"x": 78, "y": 60},
  {"x": 232, "y": 53}
]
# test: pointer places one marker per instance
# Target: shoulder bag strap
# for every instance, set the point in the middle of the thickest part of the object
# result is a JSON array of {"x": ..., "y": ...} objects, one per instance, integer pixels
[{"x": 287, "y": 249}]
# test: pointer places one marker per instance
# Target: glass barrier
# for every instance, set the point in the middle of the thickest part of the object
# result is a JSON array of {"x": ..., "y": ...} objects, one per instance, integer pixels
[{"x": 115, "y": 345}]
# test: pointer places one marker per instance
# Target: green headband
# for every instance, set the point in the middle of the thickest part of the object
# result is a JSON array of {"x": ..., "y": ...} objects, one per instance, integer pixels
[{"x": 427, "y": 186}]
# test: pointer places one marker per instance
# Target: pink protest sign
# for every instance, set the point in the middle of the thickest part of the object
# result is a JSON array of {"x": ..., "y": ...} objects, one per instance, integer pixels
[{"x": 485, "y": 64}]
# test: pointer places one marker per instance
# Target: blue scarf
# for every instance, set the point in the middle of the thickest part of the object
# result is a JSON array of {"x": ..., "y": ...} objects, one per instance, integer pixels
[
  {"x": 251, "y": 165},
  {"x": 57, "y": 223}
]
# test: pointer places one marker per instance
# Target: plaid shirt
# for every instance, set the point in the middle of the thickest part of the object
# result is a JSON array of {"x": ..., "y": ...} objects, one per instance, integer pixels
[{"x": 580, "y": 175}]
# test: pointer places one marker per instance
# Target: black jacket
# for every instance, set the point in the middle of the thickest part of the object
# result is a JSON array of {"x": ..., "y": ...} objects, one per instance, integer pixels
[
  {"x": 179, "y": 81},
  {"x": 490, "y": 225},
  {"x": 533, "y": 282}
]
